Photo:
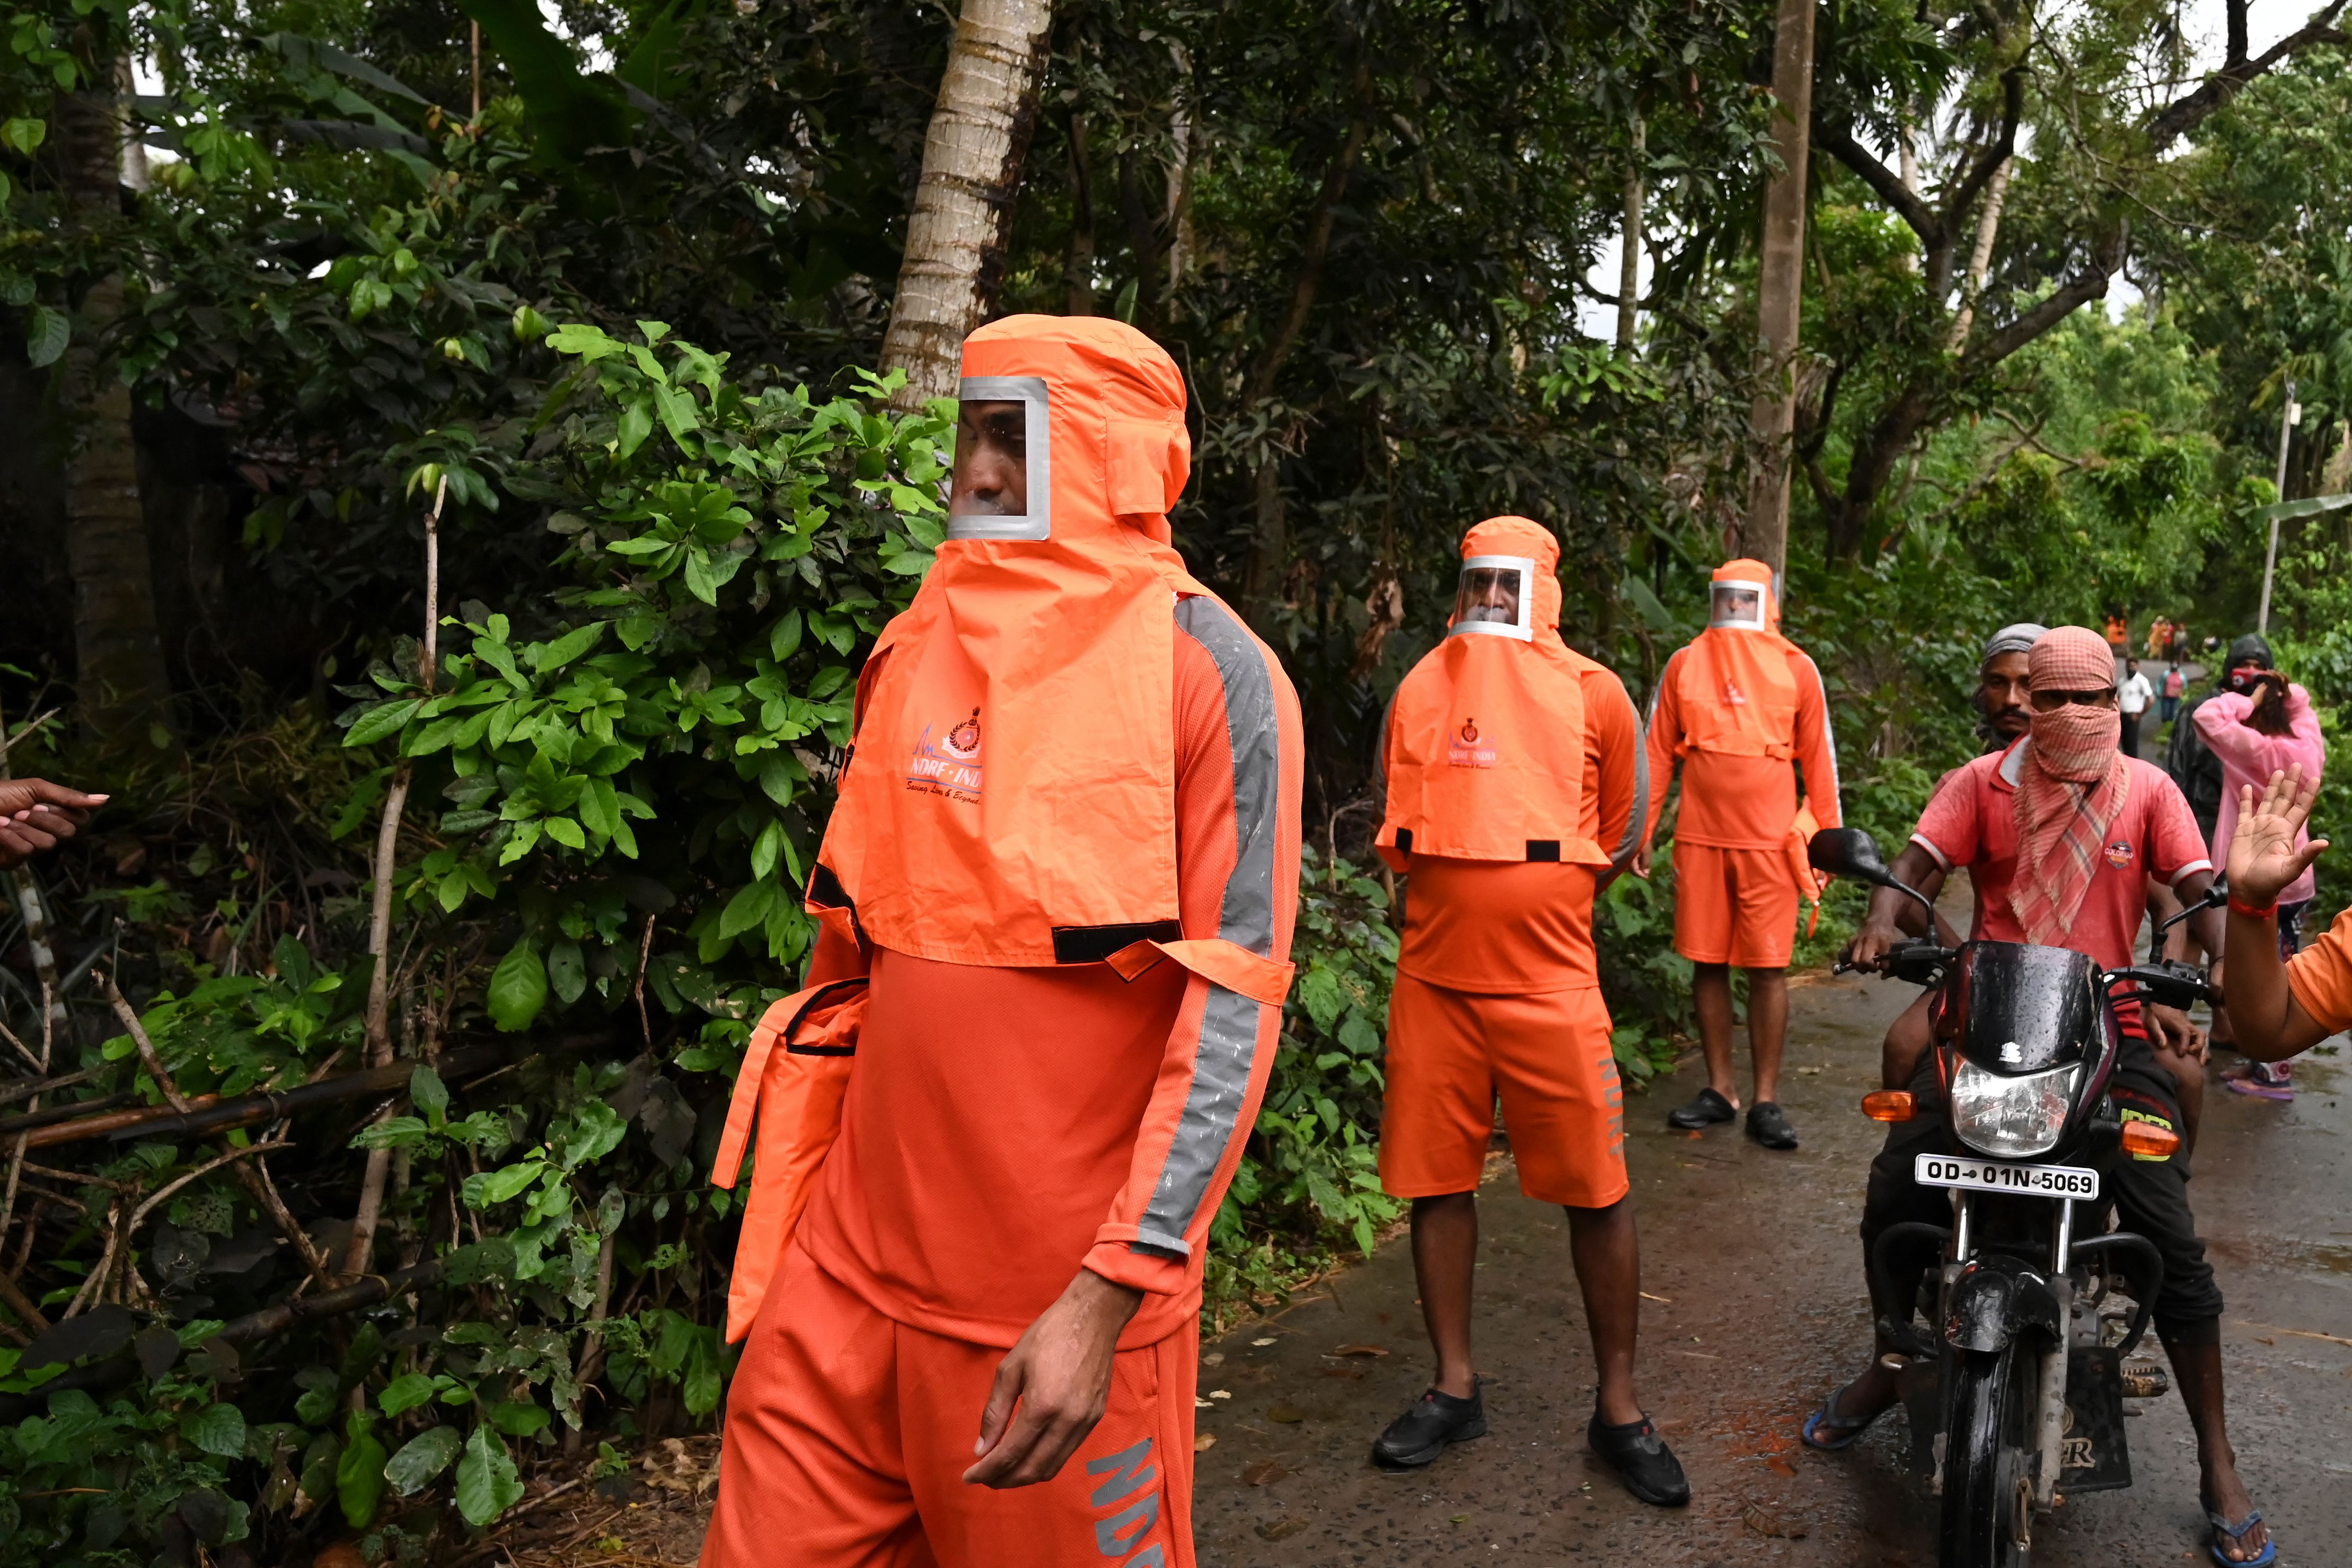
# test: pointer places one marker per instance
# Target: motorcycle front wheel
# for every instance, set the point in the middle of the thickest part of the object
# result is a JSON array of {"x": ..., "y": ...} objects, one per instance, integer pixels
[{"x": 1987, "y": 1508}]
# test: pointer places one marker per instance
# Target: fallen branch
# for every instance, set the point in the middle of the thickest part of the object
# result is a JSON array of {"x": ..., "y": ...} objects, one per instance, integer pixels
[
  {"x": 17, "y": 1091},
  {"x": 114, "y": 1371},
  {"x": 209, "y": 1113},
  {"x": 147, "y": 1055},
  {"x": 207, "y": 1169},
  {"x": 21, "y": 1304}
]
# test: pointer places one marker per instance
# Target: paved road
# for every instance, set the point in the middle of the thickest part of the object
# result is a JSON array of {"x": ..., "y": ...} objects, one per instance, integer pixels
[{"x": 1754, "y": 1258}]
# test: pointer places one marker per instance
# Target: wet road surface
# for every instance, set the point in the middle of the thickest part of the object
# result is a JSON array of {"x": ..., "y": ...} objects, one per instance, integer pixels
[{"x": 1757, "y": 1310}]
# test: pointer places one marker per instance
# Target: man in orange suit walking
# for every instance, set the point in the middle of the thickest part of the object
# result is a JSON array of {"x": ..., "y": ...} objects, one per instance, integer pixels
[
  {"x": 1514, "y": 775},
  {"x": 1742, "y": 709},
  {"x": 1066, "y": 858}
]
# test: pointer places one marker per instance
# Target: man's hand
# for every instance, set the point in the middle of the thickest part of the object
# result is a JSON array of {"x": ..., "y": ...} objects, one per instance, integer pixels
[
  {"x": 1871, "y": 942},
  {"x": 1059, "y": 1372},
  {"x": 1640, "y": 863},
  {"x": 35, "y": 813},
  {"x": 2170, "y": 1030},
  {"x": 2263, "y": 861}
]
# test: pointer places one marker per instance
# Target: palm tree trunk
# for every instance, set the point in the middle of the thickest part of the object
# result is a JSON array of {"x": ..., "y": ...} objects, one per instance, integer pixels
[
  {"x": 121, "y": 682},
  {"x": 954, "y": 262},
  {"x": 1779, "y": 284}
]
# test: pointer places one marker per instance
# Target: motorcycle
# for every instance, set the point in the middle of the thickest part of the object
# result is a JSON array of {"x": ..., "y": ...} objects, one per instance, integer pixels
[{"x": 2014, "y": 1390}]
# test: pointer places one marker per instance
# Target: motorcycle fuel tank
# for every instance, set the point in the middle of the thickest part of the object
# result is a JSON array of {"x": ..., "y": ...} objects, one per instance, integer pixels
[{"x": 2026, "y": 1009}]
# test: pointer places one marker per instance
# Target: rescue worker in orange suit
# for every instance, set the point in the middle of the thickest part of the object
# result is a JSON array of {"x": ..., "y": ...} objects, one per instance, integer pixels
[
  {"x": 1742, "y": 708},
  {"x": 1510, "y": 760},
  {"x": 1065, "y": 858}
]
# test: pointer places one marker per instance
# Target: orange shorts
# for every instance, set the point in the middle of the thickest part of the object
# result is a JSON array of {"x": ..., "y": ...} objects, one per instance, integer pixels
[
  {"x": 1734, "y": 906},
  {"x": 1547, "y": 1056},
  {"x": 848, "y": 1432}
]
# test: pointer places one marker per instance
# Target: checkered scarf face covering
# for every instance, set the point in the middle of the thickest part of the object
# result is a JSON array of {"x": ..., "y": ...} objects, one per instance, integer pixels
[{"x": 2071, "y": 788}]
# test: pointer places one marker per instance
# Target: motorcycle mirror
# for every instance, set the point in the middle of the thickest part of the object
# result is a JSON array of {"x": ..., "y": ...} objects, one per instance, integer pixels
[
  {"x": 1848, "y": 852},
  {"x": 2215, "y": 897}
]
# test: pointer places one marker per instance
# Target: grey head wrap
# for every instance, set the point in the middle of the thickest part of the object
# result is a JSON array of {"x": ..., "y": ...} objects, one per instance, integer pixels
[{"x": 2018, "y": 638}]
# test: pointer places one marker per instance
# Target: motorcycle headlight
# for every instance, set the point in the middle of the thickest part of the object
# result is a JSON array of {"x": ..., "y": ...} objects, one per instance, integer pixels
[{"x": 2012, "y": 1117}]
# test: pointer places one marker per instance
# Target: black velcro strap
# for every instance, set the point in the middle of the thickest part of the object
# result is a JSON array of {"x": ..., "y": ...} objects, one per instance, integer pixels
[
  {"x": 1543, "y": 848},
  {"x": 837, "y": 991},
  {"x": 1404, "y": 841},
  {"x": 1092, "y": 944},
  {"x": 825, "y": 888}
]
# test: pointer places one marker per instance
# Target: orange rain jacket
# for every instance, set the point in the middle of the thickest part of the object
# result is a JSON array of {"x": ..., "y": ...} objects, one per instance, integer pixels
[
  {"x": 1009, "y": 814},
  {"x": 1736, "y": 708},
  {"x": 1485, "y": 753}
]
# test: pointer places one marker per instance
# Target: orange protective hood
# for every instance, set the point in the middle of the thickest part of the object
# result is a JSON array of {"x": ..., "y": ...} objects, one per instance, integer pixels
[
  {"x": 1484, "y": 749},
  {"x": 1013, "y": 776},
  {"x": 1737, "y": 695}
]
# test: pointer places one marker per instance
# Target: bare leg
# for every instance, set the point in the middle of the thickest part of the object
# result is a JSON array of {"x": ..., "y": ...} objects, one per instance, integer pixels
[
  {"x": 2199, "y": 1370},
  {"x": 1609, "y": 1272},
  {"x": 1711, "y": 995},
  {"x": 1767, "y": 1028},
  {"x": 1906, "y": 1043},
  {"x": 1445, "y": 1253}
]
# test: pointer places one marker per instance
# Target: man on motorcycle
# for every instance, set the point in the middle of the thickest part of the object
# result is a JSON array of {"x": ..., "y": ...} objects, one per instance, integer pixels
[
  {"x": 2004, "y": 710},
  {"x": 2060, "y": 834}
]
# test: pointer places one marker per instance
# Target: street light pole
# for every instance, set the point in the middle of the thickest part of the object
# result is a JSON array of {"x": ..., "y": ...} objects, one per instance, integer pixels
[{"x": 2270, "y": 558}]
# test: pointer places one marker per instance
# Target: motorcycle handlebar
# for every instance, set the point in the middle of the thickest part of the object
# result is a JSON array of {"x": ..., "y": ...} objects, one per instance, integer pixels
[{"x": 2166, "y": 985}]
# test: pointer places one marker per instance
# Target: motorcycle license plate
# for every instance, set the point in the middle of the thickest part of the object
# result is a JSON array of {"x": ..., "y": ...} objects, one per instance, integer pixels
[{"x": 1995, "y": 1177}]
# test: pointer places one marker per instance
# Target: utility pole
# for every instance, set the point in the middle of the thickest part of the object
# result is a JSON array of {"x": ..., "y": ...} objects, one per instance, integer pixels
[
  {"x": 2292, "y": 412},
  {"x": 1780, "y": 283}
]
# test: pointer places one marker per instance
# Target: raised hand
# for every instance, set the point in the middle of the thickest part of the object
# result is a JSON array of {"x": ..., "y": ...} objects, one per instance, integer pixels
[
  {"x": 34, "y": 814},
  {"x": 2263, "y": 860}
]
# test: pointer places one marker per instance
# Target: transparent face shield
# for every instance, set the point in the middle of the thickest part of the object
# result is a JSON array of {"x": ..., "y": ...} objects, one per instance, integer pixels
[
  {"x": 1736, "y": 606},
  {"x": 1003, "y": 485},
  {"x": 1497, "y": 597}
]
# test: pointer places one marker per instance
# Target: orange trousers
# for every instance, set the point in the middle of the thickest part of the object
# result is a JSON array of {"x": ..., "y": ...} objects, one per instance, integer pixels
[{"x": 848, "y": 1433}]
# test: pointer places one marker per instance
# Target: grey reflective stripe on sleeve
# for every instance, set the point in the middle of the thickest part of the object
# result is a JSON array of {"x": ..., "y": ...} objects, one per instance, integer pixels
[
  {"x": 1665, "y": 673},
  {"x": 1631, "y": 839},
  {"x": 1224, "y": 1050}
]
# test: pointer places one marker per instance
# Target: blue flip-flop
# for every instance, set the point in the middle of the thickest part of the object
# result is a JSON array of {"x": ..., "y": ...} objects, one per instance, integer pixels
[
  {"x": 2237, "y": 1532},
  {"x": 1845, "y": 1430}
]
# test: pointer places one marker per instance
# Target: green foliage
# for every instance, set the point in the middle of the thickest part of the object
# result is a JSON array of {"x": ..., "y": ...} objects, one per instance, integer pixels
[
  {"x": 1309, "y": 1174},
  {"x": 728, "y": 555}
]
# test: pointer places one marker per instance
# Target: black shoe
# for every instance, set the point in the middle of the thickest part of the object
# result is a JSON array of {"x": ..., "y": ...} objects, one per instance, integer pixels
[
  {"x": 1641, "y": 1460},
  {"x": 1768, "y": 1125},
  {"x": 1706, "y": 1108},
  {"x": 1422, "y": 1433}
]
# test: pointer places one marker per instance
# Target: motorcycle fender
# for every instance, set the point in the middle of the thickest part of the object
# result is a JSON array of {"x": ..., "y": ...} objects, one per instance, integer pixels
[{"x": 1994, "y": 1300}]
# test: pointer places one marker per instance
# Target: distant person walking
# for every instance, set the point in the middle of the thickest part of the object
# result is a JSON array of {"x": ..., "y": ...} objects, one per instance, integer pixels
[
  {"x": 2174, "y": 683},
  {"x": 2159, "y": 634},
  {"x": 2258, "y": 725},
  {"x": 2135, "y": 694}
]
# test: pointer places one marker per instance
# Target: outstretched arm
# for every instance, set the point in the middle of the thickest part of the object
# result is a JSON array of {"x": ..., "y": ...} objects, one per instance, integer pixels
[
  {"x": 35, "y": 815},
  {"x": 2269, "y": 1020}
]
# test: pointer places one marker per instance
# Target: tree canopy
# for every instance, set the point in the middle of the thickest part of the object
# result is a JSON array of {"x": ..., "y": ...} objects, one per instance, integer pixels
[{"x": 458, "y": 472}]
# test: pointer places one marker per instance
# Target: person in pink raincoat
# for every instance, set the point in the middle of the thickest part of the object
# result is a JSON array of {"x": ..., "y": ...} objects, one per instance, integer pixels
[{"x": 2259, "y": 724}]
